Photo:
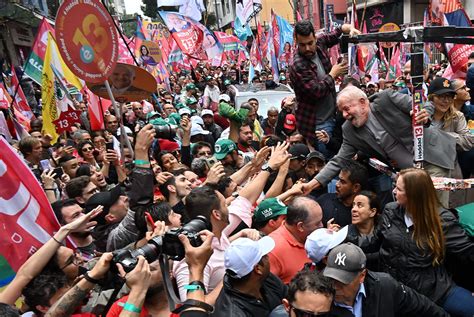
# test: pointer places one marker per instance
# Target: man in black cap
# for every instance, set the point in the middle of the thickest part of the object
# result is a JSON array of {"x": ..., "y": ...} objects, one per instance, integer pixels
[
  {"x": 297, "y": 161},
  {"x": 116, "y": 224},
  {"x": 315, "y": 162},
  {"x": 366, "y": 293}
]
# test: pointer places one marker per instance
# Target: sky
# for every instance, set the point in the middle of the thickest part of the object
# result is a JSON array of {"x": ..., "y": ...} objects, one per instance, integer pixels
[{"x": 132, "y": 7}]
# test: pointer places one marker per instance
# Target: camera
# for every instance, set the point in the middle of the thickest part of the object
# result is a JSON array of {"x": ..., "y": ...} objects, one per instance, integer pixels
[
  {"x": 168, "y": 244},
  {"x": 165, "y": 131}
]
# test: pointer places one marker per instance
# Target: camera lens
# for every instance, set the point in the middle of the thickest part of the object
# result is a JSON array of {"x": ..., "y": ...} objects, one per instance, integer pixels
[{"x": 165, "y": 132}]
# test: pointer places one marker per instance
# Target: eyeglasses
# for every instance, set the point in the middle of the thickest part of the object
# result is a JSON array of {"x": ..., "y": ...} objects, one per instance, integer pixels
[
  {"x": 463, "y": 87},
  {"x": 87, "y": 149},
  {"x": 73, "y": 259},
  {"x": 305, "y": 313}
]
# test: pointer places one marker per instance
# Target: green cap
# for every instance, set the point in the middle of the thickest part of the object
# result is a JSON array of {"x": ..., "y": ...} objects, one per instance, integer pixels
[
  {"x": 180, "y": 105},
  {"x": 227, "y": 82},
  {"x": 191, "y": 101},
  {"x": 208, "y": 78},
  {"x": 190, "y": 86},
  {"x": 224, "y": 147},
  {"x": 152, "y": 114},
  {"x": 268, "y": 209},
  {"x": 158, "y": 121},
  {"x": 174, "y": 117}
]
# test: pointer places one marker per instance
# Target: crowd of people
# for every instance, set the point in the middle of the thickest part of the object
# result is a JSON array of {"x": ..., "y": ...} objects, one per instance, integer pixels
[{"x": 276, "y": 215}]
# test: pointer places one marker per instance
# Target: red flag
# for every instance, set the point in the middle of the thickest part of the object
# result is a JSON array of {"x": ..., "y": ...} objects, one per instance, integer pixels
[
  {"x": 395, "y": 69},
  {"x": 96, "y": 112},
  {"x": 27, "y": 218},
  {"x": 124, "y": 54},
  {"x": 20, "y": 102}
]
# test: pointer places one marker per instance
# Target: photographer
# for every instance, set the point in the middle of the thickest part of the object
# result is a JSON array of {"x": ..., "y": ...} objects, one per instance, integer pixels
[{"x": 226, "y": 222}]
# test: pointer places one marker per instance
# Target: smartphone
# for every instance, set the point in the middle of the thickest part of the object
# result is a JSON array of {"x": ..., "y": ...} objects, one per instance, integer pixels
[
  {"x": 150, "y": 220},
  {"x": 211, "y": 161},
  {"x": 45, "y": 165},
  {"x": 59, "y": 172},
  {"x": 109, "y": 145}
]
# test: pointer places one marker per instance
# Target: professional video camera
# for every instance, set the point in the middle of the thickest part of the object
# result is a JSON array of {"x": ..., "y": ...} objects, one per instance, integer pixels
[{"x": 169, "y": 244}]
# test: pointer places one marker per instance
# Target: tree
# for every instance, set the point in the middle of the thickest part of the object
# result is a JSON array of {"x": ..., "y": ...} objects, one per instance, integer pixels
[
  {"x": 150, "y": 8},
  {"x": 129, "y": 24}
]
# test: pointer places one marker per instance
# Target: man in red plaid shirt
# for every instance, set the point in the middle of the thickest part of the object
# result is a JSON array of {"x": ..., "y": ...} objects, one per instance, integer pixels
[{"x": 313, "y": 79}]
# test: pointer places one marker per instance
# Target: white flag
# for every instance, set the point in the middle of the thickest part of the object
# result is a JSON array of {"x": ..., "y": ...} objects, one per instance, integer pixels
[
  {"x": 193, "y": 9},
  {"x": 170, "y": 3},
  {"x": 245, "y": 8}
]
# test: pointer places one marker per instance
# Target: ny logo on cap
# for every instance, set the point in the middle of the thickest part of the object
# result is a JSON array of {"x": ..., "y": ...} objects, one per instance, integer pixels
[{"x": 340, "y": 259}]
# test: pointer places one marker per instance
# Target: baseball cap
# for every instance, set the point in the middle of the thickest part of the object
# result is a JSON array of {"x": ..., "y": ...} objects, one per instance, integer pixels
[
  {"x": 207, "y": 112},
  {"x": 268, "y": 209},
  {"x": 224, "y": 147},
  {"x": 208, "y": 78},
  {"x": 322, "y": 240},
  {"x": 190, "y": 86},
  {"x": 316, "y": 155},
  {"x": 152, "y": 114},
  {"x": 224, "y": 97},
  {"x": 197, "y": 129},
  {"x": 370, "y": 83},
  {"x": 344, "y": 263},
  {"x": 227, "y": 82},
  {"x": 191, "y": 101},
  {"x": 441, "y": 86},
  {"x": 180, "y": 105},
  {"x": 106, "y": 199},
  {"x": 298, "y": 151},
  {"x": 244, "y": 253},
  {"x": 290, "y": 122},
  {"x": 167, "y": 145},
  {"x": 184, "y": 110}
]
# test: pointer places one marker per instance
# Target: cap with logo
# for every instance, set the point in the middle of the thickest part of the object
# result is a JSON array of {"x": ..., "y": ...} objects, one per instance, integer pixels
[
  {"x": 224, "y": 147},
  {"x": 290, "y": 122},
  {"x": 190, "y": 86},
  {"x": 345, "y": 262},
  {"x": 191, "y": 101},
  {"x": 152, "y": 114},
  {"x": 322, "y": 240},
  {"x": 298, "y": 151},
  {"x": 441, "y": 86},
  {"x": 268, "y": 209},
  {"x": 243, "y": 254}
]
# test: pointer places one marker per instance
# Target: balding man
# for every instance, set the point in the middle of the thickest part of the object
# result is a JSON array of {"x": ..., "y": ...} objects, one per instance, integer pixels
[
  {"x": 269, "y": 123},
  {"x": 382, "y": 130},
  {"x": 303, "y": 216}
]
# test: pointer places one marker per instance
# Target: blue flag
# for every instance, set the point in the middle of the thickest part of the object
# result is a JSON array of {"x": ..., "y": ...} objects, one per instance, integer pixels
[{"x": 242, "y": 32}]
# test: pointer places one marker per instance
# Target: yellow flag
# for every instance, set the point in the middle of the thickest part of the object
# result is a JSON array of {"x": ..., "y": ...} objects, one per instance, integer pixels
[{"x": 51, "y": 111}]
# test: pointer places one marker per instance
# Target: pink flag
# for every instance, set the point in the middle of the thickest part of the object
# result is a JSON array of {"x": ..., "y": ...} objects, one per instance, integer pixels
[
  {"x": 27, "y": 218},
  {"x": 124, "y": 54},
  {"x": 395, "y": 69}
]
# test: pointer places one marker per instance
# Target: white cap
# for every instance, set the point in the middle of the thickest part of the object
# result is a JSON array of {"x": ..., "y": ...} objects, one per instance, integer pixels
[
  {"x": 224, "y": 97},
  {"x": 197, "y": 129},
  {"x": 197, "y": 120},
  {"x": 321, "y": 241},
  {"x": 244, "y": 253},
  {"x": 207, "y": 112},
  {"x": 184, "y": 111}
]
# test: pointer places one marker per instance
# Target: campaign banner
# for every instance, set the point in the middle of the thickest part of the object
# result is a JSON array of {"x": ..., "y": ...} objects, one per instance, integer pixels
[
  {"x": 27, "y": 218},
  {"x": 34, "y": 65},
  {"x": 193, "y": 38}
]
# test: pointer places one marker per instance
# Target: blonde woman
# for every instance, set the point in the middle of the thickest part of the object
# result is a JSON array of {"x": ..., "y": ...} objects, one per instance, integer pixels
[{"x": 451, "y": 124}]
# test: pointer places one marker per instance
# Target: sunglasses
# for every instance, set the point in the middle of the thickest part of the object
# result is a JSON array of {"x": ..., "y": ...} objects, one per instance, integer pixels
[
  {"x": 304, "y": 313},
  {"x": 87, "y": 149},
  {"x": 73, "y": 259}
]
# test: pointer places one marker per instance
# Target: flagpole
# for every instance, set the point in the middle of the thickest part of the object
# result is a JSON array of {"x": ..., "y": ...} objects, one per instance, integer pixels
[
  {"x": 119, "y": 117},
  {"x": 363, "y": 16}
]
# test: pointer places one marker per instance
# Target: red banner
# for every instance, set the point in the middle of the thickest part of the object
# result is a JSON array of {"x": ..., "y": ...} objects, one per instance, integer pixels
[
  {"x": 95, "y": 109},
  {"x": 25, "y": 213}
]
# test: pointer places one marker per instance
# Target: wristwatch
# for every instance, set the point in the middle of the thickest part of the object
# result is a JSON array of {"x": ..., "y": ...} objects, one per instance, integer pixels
[{"x": 267, "y": 168}]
